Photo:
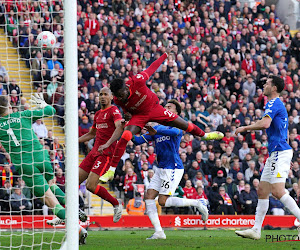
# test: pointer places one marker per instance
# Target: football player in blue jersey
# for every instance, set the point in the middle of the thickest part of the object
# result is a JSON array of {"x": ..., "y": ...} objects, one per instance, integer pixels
[
  {"x": 169, "y": 172},
  {"x": 275, "y": 172}
]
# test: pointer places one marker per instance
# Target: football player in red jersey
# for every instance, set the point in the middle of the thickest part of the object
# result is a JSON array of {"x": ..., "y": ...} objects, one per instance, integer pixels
[
  {"x": 107, "y": 128},
  {"x": 137, "y": 99}
]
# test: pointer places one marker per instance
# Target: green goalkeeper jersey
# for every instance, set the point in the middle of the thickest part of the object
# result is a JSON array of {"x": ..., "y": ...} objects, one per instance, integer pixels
[{"x": 18, "y": 137}]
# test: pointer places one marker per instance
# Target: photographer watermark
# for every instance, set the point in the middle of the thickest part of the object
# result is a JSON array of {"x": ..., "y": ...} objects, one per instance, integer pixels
[{"x": 281, "y": 237}]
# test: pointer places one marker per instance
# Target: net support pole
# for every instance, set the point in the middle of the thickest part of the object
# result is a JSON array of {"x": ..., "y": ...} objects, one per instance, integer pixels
[{"x": 71, "y": 131}]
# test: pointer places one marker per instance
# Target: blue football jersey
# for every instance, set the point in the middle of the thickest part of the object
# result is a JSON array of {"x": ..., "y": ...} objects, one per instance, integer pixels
[
  {"x": 278, "y": 130},
  {"x": 167, "y": 142}
]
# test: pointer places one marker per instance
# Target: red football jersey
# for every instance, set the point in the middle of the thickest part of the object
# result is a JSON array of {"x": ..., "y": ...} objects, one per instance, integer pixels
[
  {"x": 104, "y": 122},
  {"x": 141, "y": 98}
]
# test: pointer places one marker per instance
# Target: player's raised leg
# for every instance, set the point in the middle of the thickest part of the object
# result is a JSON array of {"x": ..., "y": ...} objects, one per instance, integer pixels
[
  {"x": 195, "y": 130},
  {"x": 119, "y": 151}
]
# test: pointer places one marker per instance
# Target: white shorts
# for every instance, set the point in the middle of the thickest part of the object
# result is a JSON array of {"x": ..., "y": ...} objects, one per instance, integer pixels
[
  {"x": 277, "y": 166},
  {"x": 165, "y": 181}
]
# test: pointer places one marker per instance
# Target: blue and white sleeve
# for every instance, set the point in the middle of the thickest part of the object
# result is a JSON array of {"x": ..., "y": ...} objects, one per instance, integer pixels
[
  {"x": 271, "y": 109},
  {"x": 138, "y": 140}
]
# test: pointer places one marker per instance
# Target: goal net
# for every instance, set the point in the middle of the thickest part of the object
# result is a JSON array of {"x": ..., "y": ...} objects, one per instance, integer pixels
[{"x": 26, "y": 69}]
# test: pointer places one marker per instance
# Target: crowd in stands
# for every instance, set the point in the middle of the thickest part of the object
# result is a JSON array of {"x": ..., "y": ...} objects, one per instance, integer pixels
[{"x": 223, "y": 52}]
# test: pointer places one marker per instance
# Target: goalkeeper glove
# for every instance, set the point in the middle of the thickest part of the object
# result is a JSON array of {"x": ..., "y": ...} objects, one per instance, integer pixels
[{"x": 38, "y": 100}]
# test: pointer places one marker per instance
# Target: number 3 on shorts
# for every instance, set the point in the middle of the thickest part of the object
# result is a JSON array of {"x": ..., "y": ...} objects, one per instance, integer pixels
[{"x": 165, "y": 184}]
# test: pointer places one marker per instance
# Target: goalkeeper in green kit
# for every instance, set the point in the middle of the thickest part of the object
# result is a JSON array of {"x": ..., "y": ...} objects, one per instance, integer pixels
[{"x": 30, "y": 159}]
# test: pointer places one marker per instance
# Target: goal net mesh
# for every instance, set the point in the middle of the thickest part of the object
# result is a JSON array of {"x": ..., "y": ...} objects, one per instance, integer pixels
[{"x": 26, "y": 69}]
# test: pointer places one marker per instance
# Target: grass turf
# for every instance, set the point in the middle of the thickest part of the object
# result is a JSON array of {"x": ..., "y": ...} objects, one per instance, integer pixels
[{"x": 136, "y": 239}]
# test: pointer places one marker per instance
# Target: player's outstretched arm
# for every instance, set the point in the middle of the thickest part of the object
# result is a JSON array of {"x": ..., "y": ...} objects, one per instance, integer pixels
[
  {"x": 43, "y": 109},
  {"x": 138, "y": 140},
  {"x": 115, "y": 136},
  {"x": 88, "y": 136},
  {"x": 264, "y": 123},
  {"x": 155, "y": 65}
]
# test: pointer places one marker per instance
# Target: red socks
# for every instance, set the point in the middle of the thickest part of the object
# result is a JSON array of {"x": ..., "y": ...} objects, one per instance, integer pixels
[
  {"x": 120, "y": 148},
  {"x": 105, "y": 195},
  {"x": 195, "y": 130}
]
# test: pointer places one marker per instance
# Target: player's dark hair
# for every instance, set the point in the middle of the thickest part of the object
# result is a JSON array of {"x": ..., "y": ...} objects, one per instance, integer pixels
[
  {"x": 278, "y": 82},
  {"x": 177, "y": 104},
  {"x": 3, "y": 105},
  {"x": 116, "y": 85}
]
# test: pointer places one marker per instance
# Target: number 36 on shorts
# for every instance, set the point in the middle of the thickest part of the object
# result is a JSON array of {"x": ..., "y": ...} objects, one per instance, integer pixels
[{"x": 165, "y": 184}]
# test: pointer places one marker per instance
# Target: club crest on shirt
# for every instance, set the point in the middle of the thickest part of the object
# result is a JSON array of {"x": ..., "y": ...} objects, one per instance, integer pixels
[
  {"x": 138, "y": 76},
  {"x": 117, "y": 112}
]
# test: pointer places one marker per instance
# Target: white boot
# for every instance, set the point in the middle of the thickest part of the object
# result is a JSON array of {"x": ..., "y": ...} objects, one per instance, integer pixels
[
  {"x": 158, "y": 235},
  {"x": 249, "y": 233},
  {"x": 203, "y": 210},
  {"x": 118, "y": 213},
  {"x": 82, "y": 235},
  {"x": 56, "y": 221}
]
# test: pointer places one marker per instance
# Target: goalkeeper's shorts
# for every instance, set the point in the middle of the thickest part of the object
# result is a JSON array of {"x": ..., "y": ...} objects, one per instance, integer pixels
[{"x": 36, "y": 170}]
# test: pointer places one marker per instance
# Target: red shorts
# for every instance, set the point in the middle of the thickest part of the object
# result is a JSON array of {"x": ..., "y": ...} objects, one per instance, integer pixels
[
  {"x": 96, "y": 163},
  {"x": 157, "y": 114}
]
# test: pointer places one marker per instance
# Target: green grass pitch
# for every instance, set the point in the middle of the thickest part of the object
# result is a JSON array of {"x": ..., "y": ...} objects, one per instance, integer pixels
[{"x": 136, "y": 239}]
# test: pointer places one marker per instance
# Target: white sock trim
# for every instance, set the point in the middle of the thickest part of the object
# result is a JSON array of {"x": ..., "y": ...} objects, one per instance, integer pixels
[
  {"x": 261, "y": 211},
  {"x": 153, "y": 215},
  {"x": 291, "y": 205},
  {"x": 112, "y": 169}
]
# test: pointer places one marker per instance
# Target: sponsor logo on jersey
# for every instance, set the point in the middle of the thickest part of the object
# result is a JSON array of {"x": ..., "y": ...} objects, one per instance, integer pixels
[
  {"x": 140, "y": 101},
  {"x": 163, "y": 138},
  {"x": 11, "y": 120},
  {"x": 101, "y": 125}
]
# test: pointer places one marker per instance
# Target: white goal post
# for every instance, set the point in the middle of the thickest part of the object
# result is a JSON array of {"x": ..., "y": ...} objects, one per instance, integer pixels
[
  {"x": 18, "y": 54},
  {"x": 71, "y": 83}
]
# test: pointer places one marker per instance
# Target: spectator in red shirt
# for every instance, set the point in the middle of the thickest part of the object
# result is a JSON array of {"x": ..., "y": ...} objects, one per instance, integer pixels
[
  {"x": 286, "y": 78},
  {"x": 60, "y": 179},
  {"x": 228, "y": 138},
  {"x": 200, "y": 195},
  {"x": 248, "y": 64},
  {"x": 129, "y": 180},
  {"x": 84, "y": 128},
  {"x": 92, "y": 24},
  {"x": 189, "y": 191},
  {"x": 264, "y": 152},
  {"x": 151, "y": 155}
]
